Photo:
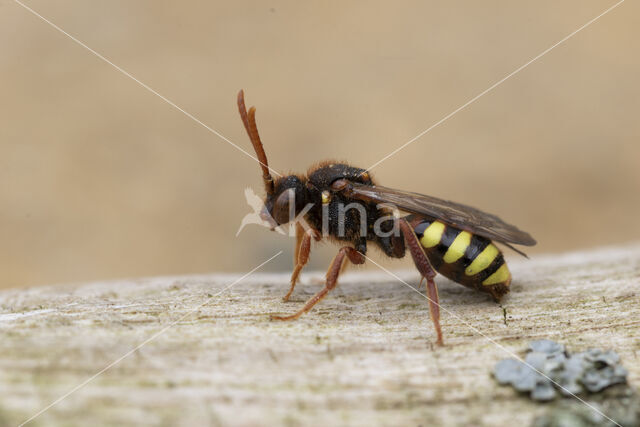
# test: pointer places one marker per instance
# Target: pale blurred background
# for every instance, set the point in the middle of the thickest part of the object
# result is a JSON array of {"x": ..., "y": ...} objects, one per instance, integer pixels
[{"x": 102, "y": 179}]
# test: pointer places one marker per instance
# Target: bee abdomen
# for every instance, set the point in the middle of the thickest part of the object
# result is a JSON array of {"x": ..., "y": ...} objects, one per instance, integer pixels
[{"x": 463, "y": 257}]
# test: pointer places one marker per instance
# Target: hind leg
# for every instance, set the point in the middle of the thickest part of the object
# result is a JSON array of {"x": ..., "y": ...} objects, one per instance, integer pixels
[{"x": 424, "y": 267}]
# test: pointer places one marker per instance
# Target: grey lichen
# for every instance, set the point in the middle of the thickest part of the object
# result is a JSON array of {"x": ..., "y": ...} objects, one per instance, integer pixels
[
  {"x": 616, "y": 406},
  {"x": 548, "y": 369}
]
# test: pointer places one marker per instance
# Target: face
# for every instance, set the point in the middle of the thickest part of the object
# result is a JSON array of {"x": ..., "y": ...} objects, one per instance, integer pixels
[{"x": 285, "y": 203}]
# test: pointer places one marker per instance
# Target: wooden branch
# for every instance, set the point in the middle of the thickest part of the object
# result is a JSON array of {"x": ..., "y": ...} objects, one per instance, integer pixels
[{"x": 363, "y": 356}]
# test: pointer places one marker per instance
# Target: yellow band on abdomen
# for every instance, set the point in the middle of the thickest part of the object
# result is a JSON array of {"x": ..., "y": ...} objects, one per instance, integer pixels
[
  {"x": 483, "y": 260},
  {"x": 432, "y": 234},
  {"x": 458, "y": 247},
  {"x": 502, "y": 274}
]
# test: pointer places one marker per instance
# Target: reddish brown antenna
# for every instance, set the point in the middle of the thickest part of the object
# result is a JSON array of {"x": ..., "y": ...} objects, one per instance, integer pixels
[{"x": 249, "y": 120}]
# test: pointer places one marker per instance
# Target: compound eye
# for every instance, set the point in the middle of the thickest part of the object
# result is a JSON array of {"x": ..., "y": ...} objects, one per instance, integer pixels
[{"x": 281, "y": 206}]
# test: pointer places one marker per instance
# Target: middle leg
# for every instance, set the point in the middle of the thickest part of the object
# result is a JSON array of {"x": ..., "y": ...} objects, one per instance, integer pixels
[{"x": 332, "y": 279}]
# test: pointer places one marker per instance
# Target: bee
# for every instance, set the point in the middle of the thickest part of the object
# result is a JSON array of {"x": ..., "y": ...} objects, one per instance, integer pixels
[{"x": 453, "y": 239}]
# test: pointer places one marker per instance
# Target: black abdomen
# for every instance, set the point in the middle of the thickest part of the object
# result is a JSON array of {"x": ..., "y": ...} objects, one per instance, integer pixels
[{"x": 465, "y": 258}]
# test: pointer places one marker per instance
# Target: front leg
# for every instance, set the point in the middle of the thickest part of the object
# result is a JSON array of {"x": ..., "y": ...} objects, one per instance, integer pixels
[
  {"x": 424, "y": 267},
  {"x": 332, "y": 279},
  {"x": 301, "y": 253}
]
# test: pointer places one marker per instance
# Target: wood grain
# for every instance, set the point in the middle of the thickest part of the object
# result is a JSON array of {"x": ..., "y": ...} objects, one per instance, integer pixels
[{"x": 364, "y": 356}]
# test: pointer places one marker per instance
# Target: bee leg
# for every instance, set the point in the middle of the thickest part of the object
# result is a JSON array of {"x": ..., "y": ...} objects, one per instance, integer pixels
[
  {"x": 424, "y": 267},
  {"x": 332, "y": 279},
  {"x": 301, "y": 254}
]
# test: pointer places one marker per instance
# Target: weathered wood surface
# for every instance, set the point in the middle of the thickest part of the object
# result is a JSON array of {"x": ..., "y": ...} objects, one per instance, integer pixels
[{"x": 363, "y": 357}]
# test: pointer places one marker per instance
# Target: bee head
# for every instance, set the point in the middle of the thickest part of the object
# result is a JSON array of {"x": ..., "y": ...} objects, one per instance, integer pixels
[{"x": 286, "y": 202}]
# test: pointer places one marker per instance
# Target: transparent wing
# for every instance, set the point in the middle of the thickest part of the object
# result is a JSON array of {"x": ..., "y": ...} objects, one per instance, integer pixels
[{"x": 456, "y": 214}]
